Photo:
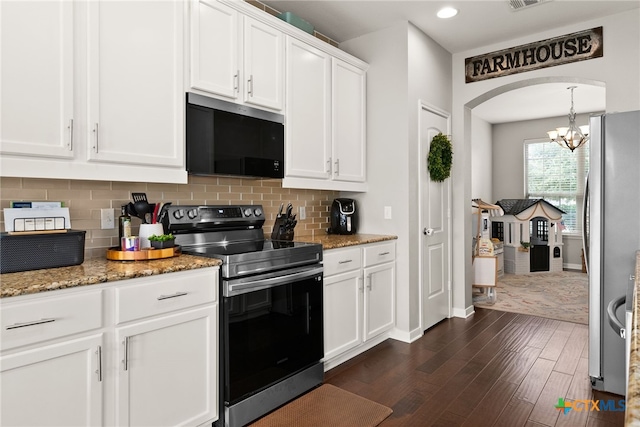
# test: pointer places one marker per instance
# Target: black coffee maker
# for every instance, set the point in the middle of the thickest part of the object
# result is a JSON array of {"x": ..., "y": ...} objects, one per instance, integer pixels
[{"x": 344, "y": 217}]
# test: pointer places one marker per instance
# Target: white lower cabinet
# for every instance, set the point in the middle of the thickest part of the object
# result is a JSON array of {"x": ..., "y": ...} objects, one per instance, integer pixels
[
  {"x": 168, "y": 370},
  {"x": 359, "y": 299},
  {"x": 129, "y": 353},
  {"x": 59, "y": 384},
  {"x": 342, "y": 313}
]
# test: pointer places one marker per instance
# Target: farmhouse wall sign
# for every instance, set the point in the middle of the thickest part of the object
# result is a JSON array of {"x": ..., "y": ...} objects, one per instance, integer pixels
[{"x": 560, "y": 50}]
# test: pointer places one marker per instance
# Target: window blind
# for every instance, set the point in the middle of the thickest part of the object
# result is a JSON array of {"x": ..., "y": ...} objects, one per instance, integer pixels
[{"x": 557, "y": 175}]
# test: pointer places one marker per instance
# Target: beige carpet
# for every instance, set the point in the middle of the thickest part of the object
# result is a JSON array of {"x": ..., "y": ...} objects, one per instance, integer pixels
[
  {"x": 560, "y": 296},
  {"x": 327, "y": 406}
]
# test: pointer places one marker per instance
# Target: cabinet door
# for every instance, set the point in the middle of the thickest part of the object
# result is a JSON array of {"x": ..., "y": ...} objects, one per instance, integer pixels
[
  {"x": 55, "y": 385},
  {"x": 214, "y": 48},
  {"x": 379, "y": 299},
  {"x": 308, "y": 139},
  {"x": 168, "y": 370},
  {"x": 135, "y": 82},
  {"x": 348, "y": 122},
  {"x": 263, "y": 64},
  {"x": 342, "y": 313},
  {"x": 36, "y": 107}
]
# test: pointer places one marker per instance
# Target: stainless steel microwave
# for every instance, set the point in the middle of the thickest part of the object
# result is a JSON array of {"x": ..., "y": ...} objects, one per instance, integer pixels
[{"x": 233, "y": 140}]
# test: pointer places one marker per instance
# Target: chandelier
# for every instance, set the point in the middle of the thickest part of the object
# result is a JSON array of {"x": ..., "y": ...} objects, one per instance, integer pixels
[{"x": 573, "y": 136}]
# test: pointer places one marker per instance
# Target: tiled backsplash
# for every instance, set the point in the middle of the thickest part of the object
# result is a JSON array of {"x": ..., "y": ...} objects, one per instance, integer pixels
[{"x": 85, "y": 199}]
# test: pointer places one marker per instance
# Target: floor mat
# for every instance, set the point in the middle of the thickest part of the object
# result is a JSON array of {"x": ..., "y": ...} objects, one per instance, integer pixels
[{"x": 327, "y": 405}]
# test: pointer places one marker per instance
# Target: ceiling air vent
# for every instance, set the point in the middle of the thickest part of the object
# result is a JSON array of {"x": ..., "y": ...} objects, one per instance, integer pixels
[{"x": 521, "y": 4}]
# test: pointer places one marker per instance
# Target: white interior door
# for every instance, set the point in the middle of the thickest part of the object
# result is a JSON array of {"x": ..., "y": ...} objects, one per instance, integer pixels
[{"x": 435, "y": 268}]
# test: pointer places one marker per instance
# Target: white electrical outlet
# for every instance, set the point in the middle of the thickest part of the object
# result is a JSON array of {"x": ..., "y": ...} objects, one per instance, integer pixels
[
  {"x": 107, "y": 219},
  {"x": 387, "y": 212},
  {"x": 303, "y": 212}
]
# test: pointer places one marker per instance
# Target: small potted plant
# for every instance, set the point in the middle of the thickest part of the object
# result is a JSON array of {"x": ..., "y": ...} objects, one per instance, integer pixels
[
  {"x": 524, "y": 246},
  {"x": 162, "y": 241}
]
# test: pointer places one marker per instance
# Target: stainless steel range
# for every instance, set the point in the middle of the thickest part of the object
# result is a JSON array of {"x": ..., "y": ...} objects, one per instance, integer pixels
[{"x": 271, "y": 329}]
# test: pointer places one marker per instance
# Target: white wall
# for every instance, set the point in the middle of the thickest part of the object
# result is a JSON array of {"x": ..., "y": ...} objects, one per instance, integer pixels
[
  {"x": 508, "y": 151},
  {"x": 405, "y": 66},
  {"x": 483, "y": 161},
  {"x": 618, "y": 69}
]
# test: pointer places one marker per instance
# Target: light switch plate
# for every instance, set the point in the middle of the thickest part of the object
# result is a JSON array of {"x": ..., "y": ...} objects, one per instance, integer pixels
[
  {"x": 387, "y": 212},
  {"x": 303, "y": 212},
  {"x": 107, "y": 219}
]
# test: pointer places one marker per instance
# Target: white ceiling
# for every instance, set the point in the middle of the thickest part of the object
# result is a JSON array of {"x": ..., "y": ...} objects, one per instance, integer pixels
[{"x": 478, "y": 23}]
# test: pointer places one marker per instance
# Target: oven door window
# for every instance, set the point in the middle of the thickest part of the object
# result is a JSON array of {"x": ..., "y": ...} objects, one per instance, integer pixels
[{"x": 271, "y": 334}]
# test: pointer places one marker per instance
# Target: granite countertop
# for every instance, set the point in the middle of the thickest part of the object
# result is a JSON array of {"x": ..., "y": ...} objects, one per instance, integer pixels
[
  {"x": 101, "y": 270},
  {"x": 95, "y": 271},
  {"x": 632, "y": 416},
  {"x": 334, "y": 241}
]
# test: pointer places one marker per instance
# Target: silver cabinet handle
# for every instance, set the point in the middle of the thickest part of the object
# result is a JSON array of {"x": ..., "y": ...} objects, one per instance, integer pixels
[
  {"x": 70, "y": 127},
  {"x": 125, "y": 361},
  {"x": 345, "y": 261},
  {"x": 360, "y": 284},
  {"x": 99, "y": 356},
  {"x": 31, "y": 323},
  {"x": 329, "y": 166},
  {"x": 95, "y": 141},
  {"x": 337, "y": 167},
  {"x": 177, "y": 294},
  {"x": 383, "y": 253},
  {"x": 250, "y": 84},
  {"x": 236, "y": 81},
  {"x": 369, "y": 281}
]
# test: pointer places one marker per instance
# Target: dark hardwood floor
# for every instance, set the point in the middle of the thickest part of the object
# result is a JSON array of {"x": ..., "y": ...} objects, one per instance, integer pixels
[{"x": 492, "y": 369}]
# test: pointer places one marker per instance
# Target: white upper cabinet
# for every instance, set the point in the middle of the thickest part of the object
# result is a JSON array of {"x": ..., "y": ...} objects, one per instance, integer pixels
[
  {"x": 348, "y": 122},
  {"x": 93, "y": 90},
  {"x": 36, "y": 110},
  {"x": 215, "y": 65},
  {"x": 325, "y": 120},
  {"x": 308, "y": 113},
  {"x": 135, "y": 66},
  {"x": 236, "y": 57},
  {"x": 263, "y": 64}
]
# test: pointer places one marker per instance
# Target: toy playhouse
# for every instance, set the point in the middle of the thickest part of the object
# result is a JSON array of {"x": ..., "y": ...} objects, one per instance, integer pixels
[{"x": 531, "y": 230}]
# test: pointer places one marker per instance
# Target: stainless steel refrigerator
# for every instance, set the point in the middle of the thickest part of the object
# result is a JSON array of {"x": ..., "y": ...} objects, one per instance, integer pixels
[{"x": 612, "y": 237}]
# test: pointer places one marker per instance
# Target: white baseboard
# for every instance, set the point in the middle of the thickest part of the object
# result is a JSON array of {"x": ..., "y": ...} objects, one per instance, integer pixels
[
  {"x": 405, "y": 336},
  {"x": 341, "y": 358},
  {"x": 463, "y": 313},
  {"x": 568, "y": 266}
]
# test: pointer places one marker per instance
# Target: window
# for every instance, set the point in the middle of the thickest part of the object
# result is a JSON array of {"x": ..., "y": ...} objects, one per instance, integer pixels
[{"x": 557, "y": 175}]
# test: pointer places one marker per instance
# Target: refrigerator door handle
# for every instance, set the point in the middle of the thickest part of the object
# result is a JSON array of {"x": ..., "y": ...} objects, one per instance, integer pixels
[
  {"x": 616, "y": 324},
  {"x": 585, "y": 230}
]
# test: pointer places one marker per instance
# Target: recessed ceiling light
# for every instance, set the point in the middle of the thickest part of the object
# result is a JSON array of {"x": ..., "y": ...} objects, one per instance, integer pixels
[{"x": 447, "y": 12}]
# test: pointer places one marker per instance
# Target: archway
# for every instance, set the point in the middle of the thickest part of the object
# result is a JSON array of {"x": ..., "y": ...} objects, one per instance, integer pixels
[{"x": 468, "y": 131}]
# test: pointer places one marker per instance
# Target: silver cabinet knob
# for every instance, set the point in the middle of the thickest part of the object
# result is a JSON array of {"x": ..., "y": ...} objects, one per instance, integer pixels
[{"x": 428, "y": 231}]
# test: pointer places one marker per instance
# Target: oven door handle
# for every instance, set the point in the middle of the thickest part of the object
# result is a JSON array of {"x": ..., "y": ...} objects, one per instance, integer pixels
[{"x": 250, "y": 284}]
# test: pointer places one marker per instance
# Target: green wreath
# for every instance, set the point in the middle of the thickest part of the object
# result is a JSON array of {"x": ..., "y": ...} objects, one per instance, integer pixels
[{"x": 440, "y": 158}]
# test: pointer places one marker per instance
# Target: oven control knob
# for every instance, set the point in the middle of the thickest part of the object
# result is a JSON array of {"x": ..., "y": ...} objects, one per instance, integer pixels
[
  {"x": 178, "y": 214},
  {"x": 247, "y": 212},
  {"x": 192, "y": 213},
  {"x": 258, "y": 212}
]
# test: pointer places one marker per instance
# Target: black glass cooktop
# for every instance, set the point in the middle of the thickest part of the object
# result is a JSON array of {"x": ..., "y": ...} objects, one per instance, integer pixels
[{"x": 237, "y": 248}]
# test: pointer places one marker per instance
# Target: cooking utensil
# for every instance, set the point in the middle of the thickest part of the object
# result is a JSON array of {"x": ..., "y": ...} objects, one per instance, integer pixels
[
  {"x": 139, "y": 197},
  {"x": 142, "y": 208},
  {"x": 289, "y": 210},
  {"x": 156, "y": 209},
  {"x": 280, "y": 211}
]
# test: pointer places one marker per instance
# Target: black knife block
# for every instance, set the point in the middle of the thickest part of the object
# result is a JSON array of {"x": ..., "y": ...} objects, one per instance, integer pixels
[{"x": 280, "y": 232}]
